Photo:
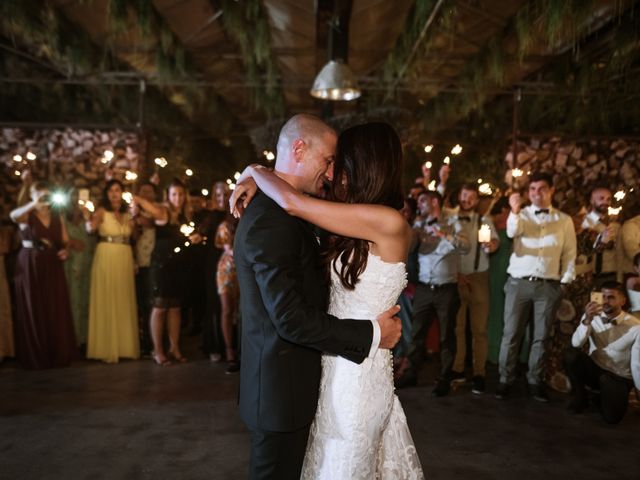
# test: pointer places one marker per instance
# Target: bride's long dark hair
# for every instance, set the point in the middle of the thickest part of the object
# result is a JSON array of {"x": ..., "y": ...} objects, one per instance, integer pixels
[{"x": 367, "y": 169}]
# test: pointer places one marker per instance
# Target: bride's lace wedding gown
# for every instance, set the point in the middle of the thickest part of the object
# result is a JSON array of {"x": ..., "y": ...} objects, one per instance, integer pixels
[{"x": 360, "y": 430}]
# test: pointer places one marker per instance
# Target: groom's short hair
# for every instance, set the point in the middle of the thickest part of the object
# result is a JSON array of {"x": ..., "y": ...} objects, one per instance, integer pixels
[{"x": 304, "y": 126}]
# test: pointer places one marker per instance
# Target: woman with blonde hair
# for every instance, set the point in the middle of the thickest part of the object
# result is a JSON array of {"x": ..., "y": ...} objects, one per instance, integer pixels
[{"x": 169, "y": 269}]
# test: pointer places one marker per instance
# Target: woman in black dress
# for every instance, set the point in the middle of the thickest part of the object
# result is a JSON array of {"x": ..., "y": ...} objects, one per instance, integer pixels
[
  {"x": 169, "y": 270},
  {"x": 44, "y": 324}
]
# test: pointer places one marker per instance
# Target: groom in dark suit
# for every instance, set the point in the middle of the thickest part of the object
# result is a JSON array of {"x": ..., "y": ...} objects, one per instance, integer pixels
[{"x": 285, "y": 326}]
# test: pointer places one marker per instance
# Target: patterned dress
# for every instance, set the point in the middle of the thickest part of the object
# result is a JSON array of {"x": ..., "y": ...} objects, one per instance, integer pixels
[{"x": 226, "y": 274}]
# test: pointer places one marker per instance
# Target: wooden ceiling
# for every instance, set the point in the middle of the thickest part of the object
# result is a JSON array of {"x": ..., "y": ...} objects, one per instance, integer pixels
[{"x": 298, "y": 32}]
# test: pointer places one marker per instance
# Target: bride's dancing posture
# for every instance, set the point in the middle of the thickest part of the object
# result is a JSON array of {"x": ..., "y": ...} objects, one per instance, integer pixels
[{"x": 360, "y": 430}]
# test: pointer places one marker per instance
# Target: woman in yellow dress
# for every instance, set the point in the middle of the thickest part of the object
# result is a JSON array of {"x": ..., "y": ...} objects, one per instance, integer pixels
[{"x": 113, "y": 320}]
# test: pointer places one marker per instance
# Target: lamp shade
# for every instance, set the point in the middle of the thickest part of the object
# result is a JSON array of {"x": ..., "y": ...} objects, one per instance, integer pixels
[{"x": 336, "y": 82}]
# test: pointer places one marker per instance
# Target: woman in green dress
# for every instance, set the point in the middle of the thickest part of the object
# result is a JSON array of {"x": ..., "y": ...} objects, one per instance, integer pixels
[
  {"x": 77, "y": 269},
  {"x": 498, "y": 264}
]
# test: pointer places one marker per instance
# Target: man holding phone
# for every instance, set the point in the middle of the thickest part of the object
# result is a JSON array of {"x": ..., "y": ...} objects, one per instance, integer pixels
[{"x": 613, "y": 363}]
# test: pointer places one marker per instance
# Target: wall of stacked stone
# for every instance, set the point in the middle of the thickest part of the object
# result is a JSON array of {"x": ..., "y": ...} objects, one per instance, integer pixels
[
  {"x": 69, "y": 159},
  {"x": 578, "y": 166}
]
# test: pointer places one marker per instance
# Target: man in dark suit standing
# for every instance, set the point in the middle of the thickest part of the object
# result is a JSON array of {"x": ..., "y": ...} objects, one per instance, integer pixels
[{"x": 285, "y": 326}]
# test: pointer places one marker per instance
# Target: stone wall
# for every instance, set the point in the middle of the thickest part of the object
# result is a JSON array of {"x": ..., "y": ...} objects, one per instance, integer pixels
[
  {"x": 69, "y": 159},
  {"x": 578, "y": 166}
]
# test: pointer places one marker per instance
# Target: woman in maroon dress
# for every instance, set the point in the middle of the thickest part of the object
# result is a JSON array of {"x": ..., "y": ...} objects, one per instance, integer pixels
[{"x": 44, "y": 324}]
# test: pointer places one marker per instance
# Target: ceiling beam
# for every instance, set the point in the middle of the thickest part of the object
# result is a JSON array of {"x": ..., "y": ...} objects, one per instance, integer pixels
[{"x": 371, "y": 83}]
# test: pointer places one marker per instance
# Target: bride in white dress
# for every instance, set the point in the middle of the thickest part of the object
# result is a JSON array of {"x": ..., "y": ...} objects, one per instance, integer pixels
[{"x": 360, "y": 430}]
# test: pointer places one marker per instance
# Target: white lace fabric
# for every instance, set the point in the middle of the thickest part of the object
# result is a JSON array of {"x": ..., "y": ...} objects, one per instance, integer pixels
[{"x": 360, "y": 430}]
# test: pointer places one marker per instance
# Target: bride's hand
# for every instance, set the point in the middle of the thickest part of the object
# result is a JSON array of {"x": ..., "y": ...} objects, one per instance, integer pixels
[{"x": 245, "y": 190}]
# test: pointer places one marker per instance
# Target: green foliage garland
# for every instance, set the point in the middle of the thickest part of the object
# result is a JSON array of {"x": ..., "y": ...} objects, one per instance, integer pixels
[
  {"x": 544, "y": 22},
  {"x": 416, "y": 19},
  {"x": 246, "y": 23}
]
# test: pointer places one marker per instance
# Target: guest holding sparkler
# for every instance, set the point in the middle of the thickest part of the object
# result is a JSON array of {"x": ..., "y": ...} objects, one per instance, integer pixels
[
  {"x": 169, "y": 269},
  {"x": 44, "y": 324},
  {"x": 113, "y": 319}
]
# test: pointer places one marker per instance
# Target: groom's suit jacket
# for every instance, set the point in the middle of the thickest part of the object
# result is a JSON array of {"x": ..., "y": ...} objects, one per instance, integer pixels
[{"x": 285, "y": 326}]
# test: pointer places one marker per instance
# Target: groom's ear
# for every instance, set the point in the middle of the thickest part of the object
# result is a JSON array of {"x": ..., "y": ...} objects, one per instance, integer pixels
[{"x": 298, "y": 149}]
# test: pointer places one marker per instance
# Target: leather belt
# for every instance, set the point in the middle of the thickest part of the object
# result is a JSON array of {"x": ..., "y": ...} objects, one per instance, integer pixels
[
  {"x": 435, "y": 286},
  {"x": 41, "y": 244},
  {"x": 538, "y": 279},
  {"x": 115, "y": 239}
]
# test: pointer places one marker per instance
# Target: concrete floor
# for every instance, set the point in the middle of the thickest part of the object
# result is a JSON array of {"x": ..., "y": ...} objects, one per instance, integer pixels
[{"x": 140, "y": 421}]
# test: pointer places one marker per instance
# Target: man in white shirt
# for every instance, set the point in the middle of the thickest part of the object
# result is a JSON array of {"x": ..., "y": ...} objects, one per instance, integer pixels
[
  {"x": 543, "y": 258},
  {"x": 604, "y": 248},
  {"x": 473, "y": 287},
  {"x": 628, "y": 246},
  {"x": 613, "y": 363},
  {"x": 441, "y": 242}
]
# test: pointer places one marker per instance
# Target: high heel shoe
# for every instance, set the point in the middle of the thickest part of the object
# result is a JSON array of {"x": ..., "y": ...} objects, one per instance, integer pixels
[
  {"x": 178, "y": 358},
  {"x": 233, "y": 365},
  {"x": 160, "y": 360}
]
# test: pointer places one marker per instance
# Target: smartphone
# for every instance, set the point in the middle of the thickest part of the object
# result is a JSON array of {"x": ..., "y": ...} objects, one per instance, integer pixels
[{"x": 597, "y": 297}]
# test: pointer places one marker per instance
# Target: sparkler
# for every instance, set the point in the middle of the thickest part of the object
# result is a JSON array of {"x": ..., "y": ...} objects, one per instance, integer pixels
[{"x": 161, "y": 162}]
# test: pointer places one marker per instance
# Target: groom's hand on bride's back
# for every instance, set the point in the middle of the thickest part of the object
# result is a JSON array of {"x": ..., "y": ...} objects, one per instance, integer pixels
[{"x": 390, "y": 327}]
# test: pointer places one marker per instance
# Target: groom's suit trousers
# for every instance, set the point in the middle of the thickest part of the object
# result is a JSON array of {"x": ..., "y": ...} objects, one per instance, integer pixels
[{"x": 277, "y": 455}]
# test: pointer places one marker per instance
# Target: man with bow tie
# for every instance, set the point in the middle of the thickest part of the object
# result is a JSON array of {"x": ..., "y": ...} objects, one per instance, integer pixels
[
  {"x": 613, "y": 363},
  {"x": 543, "y": 258},
  {"x": 605, "y": 232},
  {"x": 441, "y": 242}
]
